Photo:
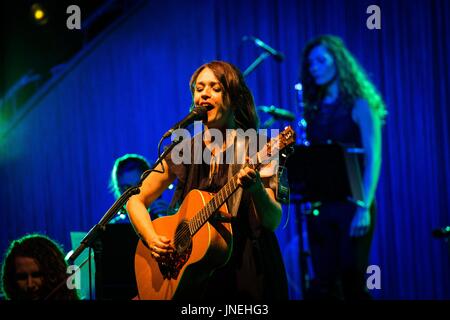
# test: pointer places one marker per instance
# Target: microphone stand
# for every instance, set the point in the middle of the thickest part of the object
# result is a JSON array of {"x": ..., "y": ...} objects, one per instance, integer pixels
[
  {"x": 250, "y": 69},
  {"x": 120, "y": 202},
  {"x": 93, "y": 234},
  {"x": 268, "y": 123},
  {"x": 90, "y": 237},
  {"x": 256, "y": 63}
]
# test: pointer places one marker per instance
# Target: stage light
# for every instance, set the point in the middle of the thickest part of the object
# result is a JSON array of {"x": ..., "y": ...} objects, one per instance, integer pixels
[{"x": 39, "y": 14}]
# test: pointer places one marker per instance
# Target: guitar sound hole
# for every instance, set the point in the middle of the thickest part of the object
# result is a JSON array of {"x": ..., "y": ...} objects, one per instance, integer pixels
[
  {"x": 182, "y": 238},
  {"x": 170, "y": 267}
]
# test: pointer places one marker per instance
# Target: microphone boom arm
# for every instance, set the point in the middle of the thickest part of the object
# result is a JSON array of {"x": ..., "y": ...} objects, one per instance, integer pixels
[
  {"x": 268, "y": 51},
  {"x": 256, "y": 63}
]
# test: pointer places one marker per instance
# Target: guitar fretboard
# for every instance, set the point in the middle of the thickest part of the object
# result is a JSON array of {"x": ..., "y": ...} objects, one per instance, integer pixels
[{"x": 213, "y": 205}]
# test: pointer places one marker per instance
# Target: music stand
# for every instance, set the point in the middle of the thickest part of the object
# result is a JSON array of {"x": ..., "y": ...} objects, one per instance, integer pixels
[
  {"x": 326, "y": 172},
  {"x": 319, "y": 173}
]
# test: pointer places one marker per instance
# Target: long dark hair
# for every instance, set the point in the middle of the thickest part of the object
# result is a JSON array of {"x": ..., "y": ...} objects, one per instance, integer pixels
[
  {"x": 236, "y": 93},
  {"x": 48, "y": 255},
  {"x": 352, "y": 79}
]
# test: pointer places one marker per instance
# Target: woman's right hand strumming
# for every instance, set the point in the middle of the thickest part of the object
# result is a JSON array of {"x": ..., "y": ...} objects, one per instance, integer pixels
[{"x": 160, "y": 247}]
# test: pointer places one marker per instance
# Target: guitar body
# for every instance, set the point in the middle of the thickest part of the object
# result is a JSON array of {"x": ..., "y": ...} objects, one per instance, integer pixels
[
  {"x": 202, "y": 237},
  {"x": 196, "y": 257}
]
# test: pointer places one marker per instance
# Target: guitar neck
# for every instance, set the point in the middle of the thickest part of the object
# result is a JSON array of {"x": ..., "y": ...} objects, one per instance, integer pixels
[{"x": 213, "y": 205}]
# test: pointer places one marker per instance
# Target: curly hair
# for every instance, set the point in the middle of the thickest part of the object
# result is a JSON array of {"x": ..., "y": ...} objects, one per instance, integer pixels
[
  {"x": 50, "y": 259},
  {"x": 353, "y": 82},
  {"x": 236, "y": 93}
]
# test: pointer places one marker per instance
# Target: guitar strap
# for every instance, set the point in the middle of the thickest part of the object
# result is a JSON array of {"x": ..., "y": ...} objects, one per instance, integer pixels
[{"x": 240, "y": 152}]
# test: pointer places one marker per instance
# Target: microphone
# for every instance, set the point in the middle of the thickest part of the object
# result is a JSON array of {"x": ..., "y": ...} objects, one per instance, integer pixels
[
  {"x": 277, "y": 54},
  {"x": 442, "y": 232},
  {"x": 198, "y": 113},
  {"x": 278, "y": 113}
]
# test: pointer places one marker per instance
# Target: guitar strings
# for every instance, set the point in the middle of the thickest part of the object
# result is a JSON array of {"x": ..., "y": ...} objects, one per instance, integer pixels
[{"x": 186, "y": 230}]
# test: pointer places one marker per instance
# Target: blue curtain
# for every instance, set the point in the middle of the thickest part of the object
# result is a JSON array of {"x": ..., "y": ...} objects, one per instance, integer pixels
[{"x": 131, "y": 84}]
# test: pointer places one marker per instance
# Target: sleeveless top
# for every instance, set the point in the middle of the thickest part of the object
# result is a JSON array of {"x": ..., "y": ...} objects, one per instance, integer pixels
[
  {"x": 333, "y": 122},
  {"x": 255, "y": 270}
]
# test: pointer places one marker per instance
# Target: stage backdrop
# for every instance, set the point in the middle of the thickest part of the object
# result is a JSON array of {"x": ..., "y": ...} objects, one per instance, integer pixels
[{"x": 130, "y": 85}]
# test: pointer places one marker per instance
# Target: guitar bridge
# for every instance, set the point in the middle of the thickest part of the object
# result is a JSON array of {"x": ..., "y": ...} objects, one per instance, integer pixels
[{"x": 170, "y": 267}]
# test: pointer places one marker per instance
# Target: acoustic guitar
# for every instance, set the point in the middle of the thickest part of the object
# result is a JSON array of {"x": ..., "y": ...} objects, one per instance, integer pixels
[{"x": 202, "y": 237}]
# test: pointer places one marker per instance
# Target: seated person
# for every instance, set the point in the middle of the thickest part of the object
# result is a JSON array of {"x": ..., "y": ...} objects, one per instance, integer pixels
[
  {"x": 126, "y": 173},
  {"x": 33, "y": 267}
]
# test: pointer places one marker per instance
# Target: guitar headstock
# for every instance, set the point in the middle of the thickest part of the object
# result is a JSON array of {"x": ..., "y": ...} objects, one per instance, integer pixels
[
  {"x": 276, "y": 145},
  {"x": 287, "y": 137}
]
